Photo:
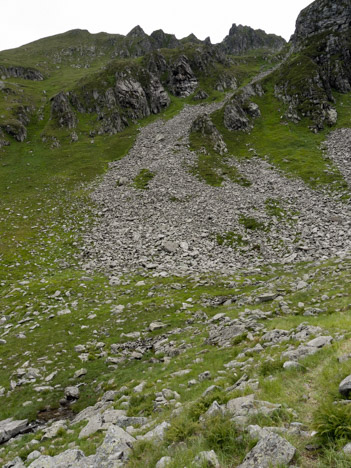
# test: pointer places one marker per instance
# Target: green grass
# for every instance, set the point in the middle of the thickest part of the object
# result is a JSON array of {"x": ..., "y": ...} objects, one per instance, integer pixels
[
  {"x": 293, "y": 148},
  {"x": 141, "y": 181},
  {"x": 212, "y": 167}
]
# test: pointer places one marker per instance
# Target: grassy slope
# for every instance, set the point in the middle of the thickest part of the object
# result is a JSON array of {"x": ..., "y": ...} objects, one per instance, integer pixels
[
  {"x": 291, "y": 147},
  {"x": 42, "y": 211}
]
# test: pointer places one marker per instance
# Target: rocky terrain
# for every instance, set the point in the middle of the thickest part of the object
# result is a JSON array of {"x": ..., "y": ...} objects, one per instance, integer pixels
[
  {"x": 175, "y": 255},
  {"x": 175, "y": 224}
]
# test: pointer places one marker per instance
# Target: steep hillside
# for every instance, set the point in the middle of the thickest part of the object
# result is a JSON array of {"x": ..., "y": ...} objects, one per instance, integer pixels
[{"x": 175, "y": 248}]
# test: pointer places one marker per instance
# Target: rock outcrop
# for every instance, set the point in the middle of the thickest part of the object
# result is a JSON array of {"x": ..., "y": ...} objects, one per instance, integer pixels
[
  {"x": 243, "y": 38},
  {"x": 21, "y": 72},
  {"x": 240, "y": 112},
  {"x": 61, "y": 111},
  {"x": 183, "y": 81},
  {"x": 204, "y": 125},
  {"x": 321, "y": 63}
]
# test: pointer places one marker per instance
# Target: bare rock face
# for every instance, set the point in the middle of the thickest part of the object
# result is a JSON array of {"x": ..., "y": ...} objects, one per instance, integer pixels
[
  {"x": 21, "y": 72},
  {"x": 183, "y": 81},
  {"x": 323, "y": 63},
  {"x": 163, "y": 40},
  {"x": 243, "y": 38},
  {"x": 239, "y": 114},
  {"x": 322, "y": 15},
  {"x": 15, "y": 129},
  {"x": 131, "y": 96},
  {"x": 61, "y": 111},
  {"x": 204, "y": 125}
]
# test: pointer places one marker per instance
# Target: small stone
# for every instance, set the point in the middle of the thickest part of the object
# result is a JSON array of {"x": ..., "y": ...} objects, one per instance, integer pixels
[
  {"x": 80, "y": 373},
  {"x": 156, "y": 326},
  {"x": 72, "y": 393}
]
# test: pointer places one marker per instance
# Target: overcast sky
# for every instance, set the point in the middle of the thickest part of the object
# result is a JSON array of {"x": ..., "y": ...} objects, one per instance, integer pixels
[{"x": 24, "y": 21}]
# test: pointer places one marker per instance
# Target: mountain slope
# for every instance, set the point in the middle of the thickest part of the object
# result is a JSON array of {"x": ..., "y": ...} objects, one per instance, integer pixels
[{"x": 175, "y": 251}]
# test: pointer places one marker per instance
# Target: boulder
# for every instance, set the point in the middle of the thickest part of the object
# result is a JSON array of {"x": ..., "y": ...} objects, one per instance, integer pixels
[
  {"x": 208, "y": 459},
  {"x": 272, "y": 450},
  {"x": 67, "y": 459},
  {"x": 10, "y": 428},
  {"x": 345, "y": 386}
]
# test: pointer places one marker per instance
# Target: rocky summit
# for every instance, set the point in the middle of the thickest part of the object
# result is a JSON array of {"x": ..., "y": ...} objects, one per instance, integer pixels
[{"x": 175, "y": 248}]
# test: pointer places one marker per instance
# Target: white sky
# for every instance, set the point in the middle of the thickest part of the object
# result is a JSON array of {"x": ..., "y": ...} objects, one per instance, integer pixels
[{"x": 24, "y": 21}]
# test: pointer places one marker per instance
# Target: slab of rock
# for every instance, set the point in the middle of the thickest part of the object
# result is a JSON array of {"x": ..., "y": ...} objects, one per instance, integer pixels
[
  {"x": 95, "y": 424},
  {"x": 10, "y": 428},
  {"x": 320, "y": 341},
  {"x": 267, "y": 297},
  {"x": 15, "y": 463},
  {"x": 272, "y": 450},
  {"x": 243, "y": 407},
  {"x": 156, "y": 326},
  {"x": 67, "y": 459},
  {"x": 157, "y": 433},
  {"x": 53, "y": 430},
  {"x": 115, "y": 447}
]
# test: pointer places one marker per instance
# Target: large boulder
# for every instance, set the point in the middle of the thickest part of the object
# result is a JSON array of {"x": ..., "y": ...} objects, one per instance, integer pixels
[
  {"x": 10, "y": 428},
  {"x": 270, "y": 451}
]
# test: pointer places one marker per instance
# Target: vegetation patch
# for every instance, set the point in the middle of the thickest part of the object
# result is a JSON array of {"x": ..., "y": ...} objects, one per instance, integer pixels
[
  {"x": 252, "y": 224},
  {"x": 211, "y": 167},
  {"x": 141, "y": 181}
]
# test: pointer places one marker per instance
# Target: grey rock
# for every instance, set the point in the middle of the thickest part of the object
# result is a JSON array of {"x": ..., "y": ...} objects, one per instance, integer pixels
[
  {"x": 68, "y": 459},
  {"x": 183, "y": 81},
  {"x": 320, "y": 341},
  {"x": 157, "y": 433},
  {"x": 10, "y": 428},
  {"x": 33, "y": 455},
  {"x": 156, "y": 326},
  {"x": 95, "y": 424},
  {"x": 271, "y": 450},
  {"x": 209, "y": 459},
  {"x": 72, "y": 393},
  {"x": 347, "y": 449},
  {"x": 204, "y": 125},
  {"x": 115, "y": 447},
  {"x": 163, "y": 462},
  {"x": 62, "y": 112},
  {"x": 243, "y": 38},
  {"x": 21, "y": 72},
  {"x": 345, "y": 386},
  {"x": 15, "y": 463},
  {"x": 52, "y": 431}
]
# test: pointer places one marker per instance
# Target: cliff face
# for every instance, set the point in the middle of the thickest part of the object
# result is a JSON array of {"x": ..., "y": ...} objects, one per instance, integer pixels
[
  {"x": 320, "y": 63},
  {"x": 243, "y": 38},
  {"x": 322, "y": 16}
]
